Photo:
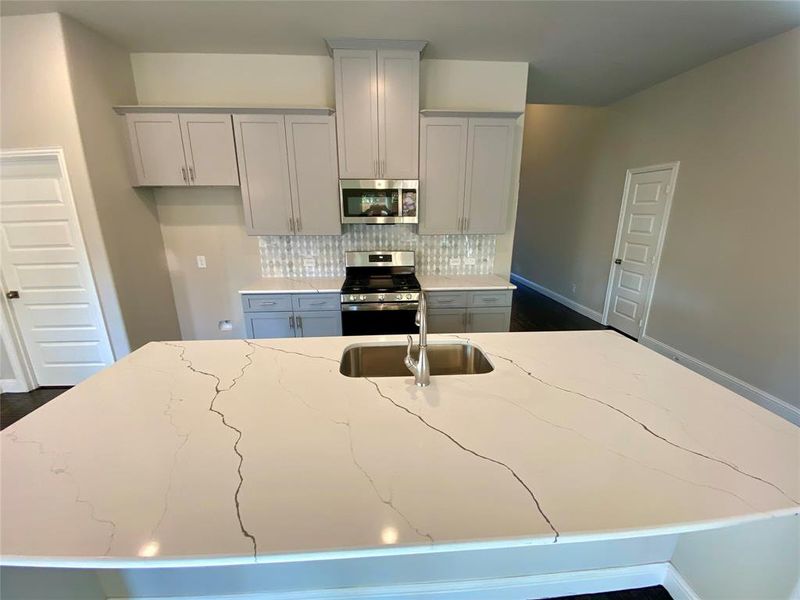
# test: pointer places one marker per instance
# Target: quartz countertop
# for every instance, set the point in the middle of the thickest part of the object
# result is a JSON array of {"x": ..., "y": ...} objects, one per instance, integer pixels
[
  {"x": 242, "y": 451},
  {"x": 429, "y": 283},
  {"x": 450, "y": 283},
  {"x": 294, "y": 285}
]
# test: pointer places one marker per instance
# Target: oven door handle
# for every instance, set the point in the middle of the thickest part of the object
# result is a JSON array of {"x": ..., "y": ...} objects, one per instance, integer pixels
[{"x": 376, "y": 306}]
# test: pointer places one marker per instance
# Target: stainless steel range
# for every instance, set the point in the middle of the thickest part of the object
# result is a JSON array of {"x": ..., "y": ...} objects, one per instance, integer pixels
[{"x": 380, "y": 294}]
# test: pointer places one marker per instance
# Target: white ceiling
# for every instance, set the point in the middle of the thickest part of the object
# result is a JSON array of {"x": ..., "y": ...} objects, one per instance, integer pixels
[{"x": 580, "y": 52}]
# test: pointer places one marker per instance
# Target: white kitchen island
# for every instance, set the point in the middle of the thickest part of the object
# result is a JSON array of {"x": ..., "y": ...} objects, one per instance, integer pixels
[{"x": 258, "y": 460}]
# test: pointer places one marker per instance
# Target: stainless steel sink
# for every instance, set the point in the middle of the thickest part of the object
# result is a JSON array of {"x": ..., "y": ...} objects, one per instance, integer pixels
[{"x": 386, "y": 360}]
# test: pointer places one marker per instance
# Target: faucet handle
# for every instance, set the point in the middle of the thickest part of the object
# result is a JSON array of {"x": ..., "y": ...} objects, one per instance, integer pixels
[{"x": 409, "y": 346}]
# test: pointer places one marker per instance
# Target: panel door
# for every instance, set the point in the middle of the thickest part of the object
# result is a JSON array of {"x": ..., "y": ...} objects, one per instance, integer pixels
[
  {"x": 642, "y": 219},
  {"x": 398, "y": 114},
  {"x": 356, "y": 87},
  {"x": 447, "y": 320},
  {"x": 490, "y": 150},
  {"x": 480, "y": 320},
  {"x": 209, "y": 149},
  {"x": 313, "y": 170},
  {"x": 157, "y": 149},
  {"x": 264, "y": 169},
  {"x": 442, "y": 159},
  {"x": 44, "y": 260},
  {"x": 270, "y": 325},
  {"x": 319, "y": 323}
]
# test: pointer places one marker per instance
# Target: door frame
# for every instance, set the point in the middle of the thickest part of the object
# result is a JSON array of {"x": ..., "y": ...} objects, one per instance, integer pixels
[
  {"x": 12, "y": 335},
  {"x": 673, "y": 181}
]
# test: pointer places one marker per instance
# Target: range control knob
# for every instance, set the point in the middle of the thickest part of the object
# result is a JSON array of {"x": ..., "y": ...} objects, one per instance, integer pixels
[
  {"x": 399, "y": 296},
  {"x": 352, "y": 298},
  {"x": 380, "y": 298},
  {"x": 362, "y": 297}
]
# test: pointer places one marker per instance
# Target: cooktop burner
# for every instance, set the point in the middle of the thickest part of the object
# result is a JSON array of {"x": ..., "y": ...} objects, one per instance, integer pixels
[{"x": 381, "y": 283}]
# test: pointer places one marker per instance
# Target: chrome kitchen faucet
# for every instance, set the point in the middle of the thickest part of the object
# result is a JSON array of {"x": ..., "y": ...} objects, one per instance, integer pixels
[{"x": 420, "y": 367}]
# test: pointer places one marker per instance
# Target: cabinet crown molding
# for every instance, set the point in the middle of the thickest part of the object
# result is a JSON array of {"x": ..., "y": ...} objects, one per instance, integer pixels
[
  {"x": 369, "y": 44},
  {"x": 234, "y": 110},
  {"x": 466, "y": 112}
]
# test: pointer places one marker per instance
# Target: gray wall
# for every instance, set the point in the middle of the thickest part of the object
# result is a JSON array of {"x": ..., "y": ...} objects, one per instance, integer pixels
[
  {"x": 728, "y": 288},
  {"x": 101, "y": 77}
]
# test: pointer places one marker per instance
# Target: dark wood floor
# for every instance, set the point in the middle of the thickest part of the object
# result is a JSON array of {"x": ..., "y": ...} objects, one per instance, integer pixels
[
  {"x": 656, "y": 592},
  {"x": 530, "y": 311}
]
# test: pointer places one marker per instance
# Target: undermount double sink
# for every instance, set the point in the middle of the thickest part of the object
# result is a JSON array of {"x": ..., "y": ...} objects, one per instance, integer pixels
[{"x": 386, "y": 360}]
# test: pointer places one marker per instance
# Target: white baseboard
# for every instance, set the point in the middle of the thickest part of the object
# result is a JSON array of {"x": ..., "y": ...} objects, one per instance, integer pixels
[
  {"x": 760, "y": 397},
  {"x": 12, "y": 386},
  {"x": 508, "y": 588},
  {"x": 677, "y": 586},
  {"x": 584, "y": 310}
]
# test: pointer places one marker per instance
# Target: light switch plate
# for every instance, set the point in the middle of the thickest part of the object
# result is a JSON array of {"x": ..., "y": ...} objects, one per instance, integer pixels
[
  {"x": 469, "y": 262},
  {"x": 455, "y": 262},
  {"x": 201, "y": 262},
  {"x": 309, "y": 263}
]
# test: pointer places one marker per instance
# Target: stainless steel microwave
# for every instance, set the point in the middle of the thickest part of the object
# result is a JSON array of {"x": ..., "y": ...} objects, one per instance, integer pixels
[{"x": 379, "y": 201}]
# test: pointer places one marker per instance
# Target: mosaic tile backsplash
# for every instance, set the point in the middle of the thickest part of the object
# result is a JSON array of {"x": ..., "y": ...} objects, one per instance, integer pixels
[{"x": 323, "y": 255}]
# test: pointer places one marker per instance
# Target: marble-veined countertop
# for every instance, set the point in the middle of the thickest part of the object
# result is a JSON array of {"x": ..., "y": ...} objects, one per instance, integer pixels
[
  {"x": 228, "y": 452},
  {"x": 431, "y": 283}
]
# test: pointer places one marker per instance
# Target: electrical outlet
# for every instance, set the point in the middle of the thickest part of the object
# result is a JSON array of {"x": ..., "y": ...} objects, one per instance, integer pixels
[
  {"x": 225, "y": 325},
  {"x": 455, "y": 262},
  {"x": 201, "y": 262},
  {"x": 309, "y": 263},
  {"x": 469, "y": 261}
]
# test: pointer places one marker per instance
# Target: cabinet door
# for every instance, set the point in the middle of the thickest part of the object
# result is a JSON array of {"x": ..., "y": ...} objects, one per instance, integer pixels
[
  {"x": 398, "y": 114},
  {"x": 270, "y": 324},
  {"x": 264, "y": 169},
  {"x": 442, "y": 159},
  {"x": 157, "y": 149},
  {"x": 447, "y": 320},
  {"x": 318, "y": 323},
  {"x": 210, "y": 154},
  {"x": 490, "y": 149},
  {"x": 311, "y": 142},
  {"x": 356, "y": 85},
  {"x": 488, "y": 319}
]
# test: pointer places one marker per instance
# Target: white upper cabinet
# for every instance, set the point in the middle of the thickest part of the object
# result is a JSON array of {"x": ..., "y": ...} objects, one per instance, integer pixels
[
  {"x": 490, "y": 150},
  {"x": 311, "y": 144},
  {"x": 288, "y": 173},
  {"x": 377, "y": 113},
  {"x": 264, "y": 170},
  {"x": 171, "y": 149},
  {"x": 209, "y": 150},
  {"x": 442, "y": 159},
  {"x": 355, "y": 74},
  {"x": 157, "y": 149},
  {"x": 466, "y": 171},
  {"x": 398, "y": 114}
]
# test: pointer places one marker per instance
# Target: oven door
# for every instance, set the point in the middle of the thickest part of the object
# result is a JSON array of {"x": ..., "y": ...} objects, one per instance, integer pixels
[
  {"x": 379, "y": 319},
  {"x": 378, "y": 200}
]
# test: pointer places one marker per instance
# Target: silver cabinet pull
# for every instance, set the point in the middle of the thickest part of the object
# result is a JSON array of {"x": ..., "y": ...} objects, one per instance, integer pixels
[
  {"x": 445, "y": 301},
  {"x": 191, "y": 174},
  {"x": 291, "y": 224},
  {"x": 183, "y": 174},
  {"x": 466, "y": 224},
  {"x": 291, "y": 321},
  {"x": 318, "y": 303},
  {"x": 300, "y": 324},
  {"x": 299, "y": 224}
]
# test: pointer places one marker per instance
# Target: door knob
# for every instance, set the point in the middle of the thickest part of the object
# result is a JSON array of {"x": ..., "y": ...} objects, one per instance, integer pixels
[
  {"x": 617, "y": 261},
  {"x": 12, "y": 294}
]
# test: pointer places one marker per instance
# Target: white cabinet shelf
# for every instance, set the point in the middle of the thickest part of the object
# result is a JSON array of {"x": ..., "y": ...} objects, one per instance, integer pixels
[
  {"x": 377, "y": 107},
  {"x": 186, "y": 149},
  {"x": 288, "y": 172},
  {"x": 466, "y": 167}
]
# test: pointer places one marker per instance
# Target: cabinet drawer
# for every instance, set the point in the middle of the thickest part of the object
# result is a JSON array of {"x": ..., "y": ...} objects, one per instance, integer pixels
[
  {"x": 316, "y": 302},
  {"x": 446, "y": 299},
  {"x": 489, "y": 299},
  {"x": 266, "y": 302},
  {"x": 447, "y": 320}
]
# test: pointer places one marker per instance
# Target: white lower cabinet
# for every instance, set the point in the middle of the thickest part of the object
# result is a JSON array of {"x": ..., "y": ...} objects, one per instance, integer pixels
[
  {"x": 469, "y": 312},
  {"x": 281, "y": 315}
]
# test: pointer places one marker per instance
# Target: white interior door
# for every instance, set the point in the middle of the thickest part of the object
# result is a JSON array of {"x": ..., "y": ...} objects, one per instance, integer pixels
[
  {"x": 640, "y": 235},
  {"x": 44, "y": 261}
]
